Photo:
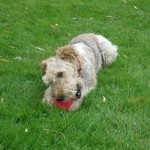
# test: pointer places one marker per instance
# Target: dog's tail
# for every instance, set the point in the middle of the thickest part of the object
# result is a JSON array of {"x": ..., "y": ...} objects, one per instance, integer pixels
[{"x": 107, "y": 49}]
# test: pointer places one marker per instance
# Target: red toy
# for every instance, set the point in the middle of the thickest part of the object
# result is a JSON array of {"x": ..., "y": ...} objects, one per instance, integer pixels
[{"x": 64, "y": 104}]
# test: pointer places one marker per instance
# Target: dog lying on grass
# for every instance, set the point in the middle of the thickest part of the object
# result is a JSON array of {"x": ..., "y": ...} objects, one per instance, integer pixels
[{"x": 71, "y": 74}]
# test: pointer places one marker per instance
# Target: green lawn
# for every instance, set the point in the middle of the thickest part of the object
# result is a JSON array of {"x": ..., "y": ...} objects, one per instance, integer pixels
[{"x": 30, "y": 31}]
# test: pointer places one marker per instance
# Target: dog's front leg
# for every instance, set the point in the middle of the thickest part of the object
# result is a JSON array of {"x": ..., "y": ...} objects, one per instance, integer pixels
[
  {"x": 47, "y": 97},
  {"x": 76, "y": 104}
]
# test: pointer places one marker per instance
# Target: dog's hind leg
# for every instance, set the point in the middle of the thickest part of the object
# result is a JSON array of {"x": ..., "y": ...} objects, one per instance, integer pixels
[{"x": 107, "y": 49}]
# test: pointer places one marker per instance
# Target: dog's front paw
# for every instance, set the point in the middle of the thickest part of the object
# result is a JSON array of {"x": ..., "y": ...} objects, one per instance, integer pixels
[{"x": 75, "y": 106}]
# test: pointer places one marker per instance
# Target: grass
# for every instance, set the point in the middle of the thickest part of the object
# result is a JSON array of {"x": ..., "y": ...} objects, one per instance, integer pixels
[{"x": 120, "y": 123}]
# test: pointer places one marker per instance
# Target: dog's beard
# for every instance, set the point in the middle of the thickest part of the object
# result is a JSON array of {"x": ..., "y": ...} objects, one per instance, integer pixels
[{"x": 67, "y": 91}]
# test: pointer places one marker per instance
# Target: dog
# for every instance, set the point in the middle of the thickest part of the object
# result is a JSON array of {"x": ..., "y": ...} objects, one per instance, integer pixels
[{"x": 72, "y": 72}]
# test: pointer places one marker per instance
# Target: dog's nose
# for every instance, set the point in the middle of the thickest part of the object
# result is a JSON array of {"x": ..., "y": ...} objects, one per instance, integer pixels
[{"x": 60, "y": 98}]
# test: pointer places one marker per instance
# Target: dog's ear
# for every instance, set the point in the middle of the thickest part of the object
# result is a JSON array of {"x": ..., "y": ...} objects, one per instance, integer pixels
[
  {"x": 66, "y": 53},
  {"x": 44, "y": 66}
]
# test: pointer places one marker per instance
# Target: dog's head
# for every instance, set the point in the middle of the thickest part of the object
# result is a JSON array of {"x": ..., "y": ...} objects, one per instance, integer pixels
[{"x": 61, "y": 73}]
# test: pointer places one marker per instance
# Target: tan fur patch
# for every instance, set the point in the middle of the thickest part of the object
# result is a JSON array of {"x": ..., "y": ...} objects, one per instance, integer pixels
[
  {"x": 67, "y": 53},
  {"x": 43, "y": 68}
]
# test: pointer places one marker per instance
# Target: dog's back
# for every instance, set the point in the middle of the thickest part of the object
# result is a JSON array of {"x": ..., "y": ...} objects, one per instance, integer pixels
[{"x": 103, "y": 50}]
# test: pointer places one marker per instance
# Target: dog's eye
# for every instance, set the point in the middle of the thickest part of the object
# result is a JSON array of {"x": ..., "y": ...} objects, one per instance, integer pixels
[{"x": 59, "y": 74}]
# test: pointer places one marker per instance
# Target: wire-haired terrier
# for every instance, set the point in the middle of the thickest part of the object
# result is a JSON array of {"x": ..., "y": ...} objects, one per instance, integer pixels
[{"x": 72, "y": 72}]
